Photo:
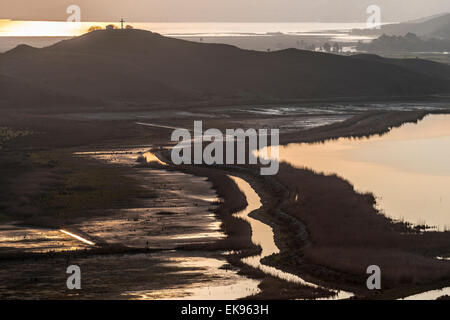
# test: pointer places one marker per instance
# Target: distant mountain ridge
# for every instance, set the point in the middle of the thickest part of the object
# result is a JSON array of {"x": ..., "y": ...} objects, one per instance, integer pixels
[
  {"x": 442, "y": 33},
  {"x": 138, "y": 66}
]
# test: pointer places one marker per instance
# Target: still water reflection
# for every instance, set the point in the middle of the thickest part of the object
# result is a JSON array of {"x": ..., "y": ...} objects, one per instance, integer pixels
[
  {"x": 262, "y": 235},
  {"x": 408, "y": 169}
]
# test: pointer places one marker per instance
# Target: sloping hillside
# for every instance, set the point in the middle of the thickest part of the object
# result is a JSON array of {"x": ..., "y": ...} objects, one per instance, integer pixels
[{"x": 140, "y": 66}]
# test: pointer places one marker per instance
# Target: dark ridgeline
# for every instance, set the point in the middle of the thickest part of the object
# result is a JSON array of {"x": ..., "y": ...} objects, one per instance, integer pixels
[
  {"x": 139, "y": 66},
  {"x": 408, "y": 43}
]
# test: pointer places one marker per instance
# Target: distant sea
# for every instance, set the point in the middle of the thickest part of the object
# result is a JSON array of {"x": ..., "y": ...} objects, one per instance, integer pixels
[{"x": 44, "y": 33}]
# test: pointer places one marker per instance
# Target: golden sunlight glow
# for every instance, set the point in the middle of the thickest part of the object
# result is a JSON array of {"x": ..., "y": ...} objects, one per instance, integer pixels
[
  {"x": 12, "y": 28},
  {"x": 407, "y": 169},
  {"x": 77, "y": 237},
  {"x": 151, "y": 157}
]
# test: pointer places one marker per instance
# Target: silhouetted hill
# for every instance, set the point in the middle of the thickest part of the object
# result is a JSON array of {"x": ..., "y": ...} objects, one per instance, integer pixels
[
  {"x": 442, "y": 33},
  {"x": 139, "y": 66},
  {"x": 17, "y": 93},
  {"x": 21, "y": 49}
]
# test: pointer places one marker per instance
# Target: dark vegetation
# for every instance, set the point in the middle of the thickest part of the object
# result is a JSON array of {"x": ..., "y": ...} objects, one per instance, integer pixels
[
  {"x": 237, "y": 230},
  {"x": 408, "y": 43},
  {"x": 362, "y": 125},
  {"x": 348, "y": 234},
  {"x": 49, "y": 188},
  {"x": 345, "y": 233},
  {"x": 330, "y": 234}
]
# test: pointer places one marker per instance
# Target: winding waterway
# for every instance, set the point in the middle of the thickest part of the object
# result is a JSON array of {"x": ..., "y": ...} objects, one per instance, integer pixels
[{"x": 263, "y": 236}]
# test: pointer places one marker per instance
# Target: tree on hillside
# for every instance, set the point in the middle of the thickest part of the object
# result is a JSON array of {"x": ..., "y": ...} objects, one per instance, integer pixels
[
  {"x": 327, "y": 47},
  {"x": 311, "y": 47},
  {"x": 93, "y": 28}
]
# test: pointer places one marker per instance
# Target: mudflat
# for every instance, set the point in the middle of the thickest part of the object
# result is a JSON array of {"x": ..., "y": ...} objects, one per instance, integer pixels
[{"x": 81, "y": 173}]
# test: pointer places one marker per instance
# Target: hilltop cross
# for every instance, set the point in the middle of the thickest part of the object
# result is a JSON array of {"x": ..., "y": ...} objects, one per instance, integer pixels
[{"x": 121, "y": 23}]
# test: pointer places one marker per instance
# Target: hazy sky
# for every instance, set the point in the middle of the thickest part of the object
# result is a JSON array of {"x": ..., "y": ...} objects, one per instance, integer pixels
[{"x": 222, "y": 10}]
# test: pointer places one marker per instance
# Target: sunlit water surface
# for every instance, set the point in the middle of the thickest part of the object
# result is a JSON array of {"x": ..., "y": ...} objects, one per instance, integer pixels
[
  {"x": 408, "y": 169},
  {"x": 263, "y": 236},
  {"x": 430, "y": 295},
  {"x": 204, "y": 29}
]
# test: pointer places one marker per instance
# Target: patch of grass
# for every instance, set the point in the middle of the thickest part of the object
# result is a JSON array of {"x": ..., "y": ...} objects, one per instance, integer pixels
[
  {"x": 7, "y": 134},
  {"x": 43, "y": 159},
  {"x": 348, "y": 234},
  {"x": 81, "y": 184},
  {"x": 4, "y": 218}
]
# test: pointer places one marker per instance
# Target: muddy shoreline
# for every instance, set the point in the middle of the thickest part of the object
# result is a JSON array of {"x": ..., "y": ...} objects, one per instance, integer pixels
[
  {"x": 239, "y": 233},
  {"x": 293, "y": 233},
  {"x": 359, "y": 126},
  {"x": 290, "y": 241}
]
